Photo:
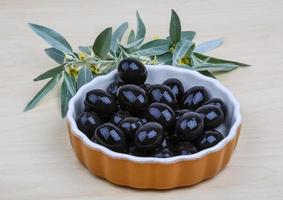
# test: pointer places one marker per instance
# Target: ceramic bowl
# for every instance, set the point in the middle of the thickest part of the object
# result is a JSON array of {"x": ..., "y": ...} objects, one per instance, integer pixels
[{"x": 149, "y": 172}]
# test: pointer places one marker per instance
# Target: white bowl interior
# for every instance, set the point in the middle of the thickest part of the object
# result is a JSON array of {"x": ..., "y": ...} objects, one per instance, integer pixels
[{"x": 158, "y": 74}]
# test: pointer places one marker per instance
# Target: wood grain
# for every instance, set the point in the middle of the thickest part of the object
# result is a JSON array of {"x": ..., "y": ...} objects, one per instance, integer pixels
[{"x": 36, "y": 159}]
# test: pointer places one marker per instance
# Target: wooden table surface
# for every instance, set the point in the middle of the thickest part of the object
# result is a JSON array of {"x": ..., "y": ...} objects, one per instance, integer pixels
[{"x": 36, "y": 158}]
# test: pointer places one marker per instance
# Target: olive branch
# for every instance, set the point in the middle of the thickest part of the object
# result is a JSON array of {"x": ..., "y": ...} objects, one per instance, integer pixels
[{"x": 77, "y": 68}]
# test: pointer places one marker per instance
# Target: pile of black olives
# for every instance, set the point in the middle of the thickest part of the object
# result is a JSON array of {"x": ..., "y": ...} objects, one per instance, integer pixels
[{"x": 159, "y": 120}]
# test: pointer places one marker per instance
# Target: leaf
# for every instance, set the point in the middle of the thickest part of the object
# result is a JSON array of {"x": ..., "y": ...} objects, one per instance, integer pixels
[
  {"x": 102, "y": 43},
  {"x": 188, "y": 35},
  {"x": 208, "y": 45},
  {"x": 117, "y": 36},
  {"x": 86, "y": 50},
  {"x": 131, "y": 37},
  {"x": 50, "y": 73},
  {"x": 70, "y": 83},
  {"x": 47, "y": 88},
  {"x": 217, "y": 60},
  {"x": 165, "y": 58},
  {"x": 65, "y": 98},
  {"x": 84, "y": 77},
  {"x": 130, "y": 46},
  {"x": 56, "y": 55},
  {"x": 175, "y": 27},
  {"x": 207, "y": 73},
  {"x": 181, "y": 50},
  {"x": 215, "y": 67},
  {"x": 140, "y": 29},
  {"x": 155, "y": 47},
  {"x": 52, "y": 37}
]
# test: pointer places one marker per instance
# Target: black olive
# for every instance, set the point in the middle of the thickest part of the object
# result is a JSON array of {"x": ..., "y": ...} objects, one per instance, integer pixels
[
  {"x": 149, "y": 136},
  {"x": 217, "y": 102},
  {"x": 113, "y": 88},
  {"x": 162, "y": 94},
  {"x": 172, "y": 140},
  {"x": 111, "y": 137},
  {"x": 146, "y": 87},
  {"x": 132, "y": 71},
  {"x": 163, "y": 152},
  {"x": 189, "y": 126},
  {"x": 212, "y": 116},
  {"x": 132, "y": 98},
  {"x": 143, "y": 120},
  {"x": 179, "y": 113},
  {"x": 100, "y": 102},
  {"x": 162, "y": 114},
  {"x": 176, "y": 86},
  {"x": 87, "y": 122},
  {"x": 119, "y": 116},
  {"x": 194, "y": 98},
  {"x": 208, "y": 139},
  {"x": 129, "y": 126},
  {"x": 185, "y": 148}
]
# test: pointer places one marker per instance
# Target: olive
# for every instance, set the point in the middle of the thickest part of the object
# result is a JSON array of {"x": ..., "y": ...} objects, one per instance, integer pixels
[
  {"x": 163, "y": 152},
  {"x": 217, "y": 102},
  {"x": 132, "y": 71},
  {"x": 100, "y": 102},
  {"x": 179, "y": 113},
  {"x": 189, "y": 126},
  {"x": 87, "y": 122},
  {"x": 132, "y": 98},
  {"x": 208, "y": 139},
  {"x": 113, "y": 88},
  {"x": 110, "y": 136},
  {"x": 143, "y": 120},
  {"x": 146, "y": 86},
  {"x": 162, "y": 94},
  {"x": 118, "y": 117},
  {"x": 172, "y": 140},
  {"x": 176, "y": 86},
  {"x": 149, "y": 136},
  {"x": 194, "y": 98},
  {"x": 212, "y": 116},
  {"x": 185, "y": 148},
  {"x": 129, "y": 125},
  {"x": 162, "y": 114}
]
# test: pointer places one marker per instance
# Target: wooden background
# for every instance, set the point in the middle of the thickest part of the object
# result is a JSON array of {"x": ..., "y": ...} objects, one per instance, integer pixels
[{"x": 36, "y": 159}]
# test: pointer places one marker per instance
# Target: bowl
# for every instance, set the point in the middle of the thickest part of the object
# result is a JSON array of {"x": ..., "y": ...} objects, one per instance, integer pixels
[{"x": 149, "y": 172}]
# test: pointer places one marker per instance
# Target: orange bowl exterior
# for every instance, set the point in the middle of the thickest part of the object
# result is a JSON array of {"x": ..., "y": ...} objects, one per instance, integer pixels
[{"x": 152, "y": 175}]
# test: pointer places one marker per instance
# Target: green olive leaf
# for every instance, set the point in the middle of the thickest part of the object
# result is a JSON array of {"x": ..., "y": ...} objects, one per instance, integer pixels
[
  {"x": 117, "y": 36},
  {"x": 141, "y": 30},
  {"x": 52, "y": 37},
  {"x": 131, "y": 37},
  {"x": 84, "y": 77},
  {"x": 56, "y": 55},
  {"x": 50, "y": 73},
  {"x": 175, "y": 27},
  {"x": 102, "y": 43},
  {"x": 214, "y": 60},
  {"x": 188, "y": 35},
  {"x": 209, "y": 45},
  {"x": 70, "y": 83},
  {"x": 165, "y": 58},
  {"x": 131, "y": 47},
  {"x": 181, "y": 50},
  {"x": 208, "y": 74},
  {"x": 65, "y": 98},
  {"x": 215, "y": 67},
  {"x": 47, "y": 88},
  {"x": 155, "y": 47},
  {"x": 86, "y": 50}
]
